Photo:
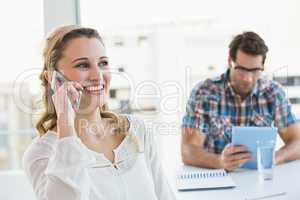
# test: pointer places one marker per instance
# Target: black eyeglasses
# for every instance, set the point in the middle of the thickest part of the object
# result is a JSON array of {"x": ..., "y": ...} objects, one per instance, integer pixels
[{"x": 244, "y": 70}]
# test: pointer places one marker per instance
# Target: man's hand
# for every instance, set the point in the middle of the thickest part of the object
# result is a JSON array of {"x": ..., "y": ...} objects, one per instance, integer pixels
[{"x": 234, "y": 156}]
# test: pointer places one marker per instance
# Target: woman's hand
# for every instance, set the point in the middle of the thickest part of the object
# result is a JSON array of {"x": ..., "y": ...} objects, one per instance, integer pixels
[{"x": 66, "y": 99}]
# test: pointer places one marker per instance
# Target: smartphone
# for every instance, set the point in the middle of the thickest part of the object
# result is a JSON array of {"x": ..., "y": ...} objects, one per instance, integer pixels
[{"x": 57, "y": 81}]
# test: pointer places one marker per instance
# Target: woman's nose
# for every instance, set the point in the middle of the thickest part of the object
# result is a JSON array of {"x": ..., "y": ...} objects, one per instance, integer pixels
[{"x": 96, "y": 73}]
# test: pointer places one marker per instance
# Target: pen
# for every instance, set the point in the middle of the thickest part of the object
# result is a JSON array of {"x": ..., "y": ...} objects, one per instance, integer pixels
[{"x": 267, "y": 196}]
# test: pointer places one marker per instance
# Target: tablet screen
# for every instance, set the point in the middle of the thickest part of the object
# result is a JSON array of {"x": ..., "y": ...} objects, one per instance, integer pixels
[{"x": 249, "y": 136}]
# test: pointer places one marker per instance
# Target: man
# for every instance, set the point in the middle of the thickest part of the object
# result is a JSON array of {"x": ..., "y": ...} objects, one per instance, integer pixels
[{"x": 239, "y": 97}]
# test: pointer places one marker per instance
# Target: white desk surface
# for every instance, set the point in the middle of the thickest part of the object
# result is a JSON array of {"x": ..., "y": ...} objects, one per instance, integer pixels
[{"x": 286, "y": 179}]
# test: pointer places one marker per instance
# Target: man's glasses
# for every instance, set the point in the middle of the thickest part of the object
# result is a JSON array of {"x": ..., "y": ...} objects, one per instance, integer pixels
[{"x": 243, "y": 70}]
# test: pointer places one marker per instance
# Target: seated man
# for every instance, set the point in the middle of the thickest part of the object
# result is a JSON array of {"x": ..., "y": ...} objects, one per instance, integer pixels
[{"x": 239, "y": 97}]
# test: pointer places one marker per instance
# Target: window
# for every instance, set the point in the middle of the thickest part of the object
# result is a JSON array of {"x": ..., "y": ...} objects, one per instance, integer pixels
[
  {"x": 21, "y": 39},
  {"x": 295, "y": 100},
  {"x": 288, "y": 80}
]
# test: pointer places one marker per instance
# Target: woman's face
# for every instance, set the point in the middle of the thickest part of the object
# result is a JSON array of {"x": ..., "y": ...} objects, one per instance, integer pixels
[{"x": 84, "y": 60}]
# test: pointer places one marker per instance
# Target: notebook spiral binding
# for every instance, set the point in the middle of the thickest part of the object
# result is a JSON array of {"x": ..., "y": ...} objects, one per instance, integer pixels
[{"x": 197, "y": 175}]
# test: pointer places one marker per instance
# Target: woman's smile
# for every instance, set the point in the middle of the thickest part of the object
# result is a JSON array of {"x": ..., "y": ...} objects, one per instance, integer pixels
[{"x": 94, "y": 89}]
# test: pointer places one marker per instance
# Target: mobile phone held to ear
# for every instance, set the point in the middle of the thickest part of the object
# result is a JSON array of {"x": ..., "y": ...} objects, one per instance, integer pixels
[{"x": 58, "y": 79}]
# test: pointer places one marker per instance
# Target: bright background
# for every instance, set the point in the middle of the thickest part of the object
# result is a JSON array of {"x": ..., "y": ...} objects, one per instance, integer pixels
[{"x": 159, "y": 50}]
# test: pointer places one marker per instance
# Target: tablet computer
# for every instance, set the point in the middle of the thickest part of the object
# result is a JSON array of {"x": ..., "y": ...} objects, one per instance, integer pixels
[{"x": 249, "y": 136}]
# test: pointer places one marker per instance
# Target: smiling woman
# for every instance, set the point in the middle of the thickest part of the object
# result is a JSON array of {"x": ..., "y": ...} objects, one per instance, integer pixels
[{"x": 88, "y": 152}]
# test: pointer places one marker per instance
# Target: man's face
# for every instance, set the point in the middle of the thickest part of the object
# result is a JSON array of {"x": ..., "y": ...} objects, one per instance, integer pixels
[{"x": 245, "y": 72}]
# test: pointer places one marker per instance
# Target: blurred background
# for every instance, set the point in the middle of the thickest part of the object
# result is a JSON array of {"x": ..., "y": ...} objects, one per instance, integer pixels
[{"x": 158, "y": 50}]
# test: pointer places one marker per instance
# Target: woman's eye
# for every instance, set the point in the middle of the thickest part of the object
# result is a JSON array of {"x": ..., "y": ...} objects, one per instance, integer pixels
[
  {"x": 103, "y": 64},
  {"x": 82, "y": 65}
]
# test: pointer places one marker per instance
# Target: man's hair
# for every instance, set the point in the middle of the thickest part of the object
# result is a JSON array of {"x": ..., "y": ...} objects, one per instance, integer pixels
[{"x": 249, "y": 43}]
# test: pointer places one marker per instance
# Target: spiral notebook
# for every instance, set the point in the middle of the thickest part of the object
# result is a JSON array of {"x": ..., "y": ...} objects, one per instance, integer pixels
[{"x": 193, "y": 178}]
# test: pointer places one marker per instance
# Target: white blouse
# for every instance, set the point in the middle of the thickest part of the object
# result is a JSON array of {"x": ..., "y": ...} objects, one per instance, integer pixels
[{"x": 65, "y": 169}]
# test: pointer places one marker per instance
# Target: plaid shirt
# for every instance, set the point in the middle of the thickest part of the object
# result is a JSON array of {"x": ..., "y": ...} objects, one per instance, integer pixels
[{"x": 214, "y": 108}]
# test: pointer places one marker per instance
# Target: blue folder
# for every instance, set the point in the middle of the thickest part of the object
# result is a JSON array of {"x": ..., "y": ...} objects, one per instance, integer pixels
[{"x": 249, "y": 136}]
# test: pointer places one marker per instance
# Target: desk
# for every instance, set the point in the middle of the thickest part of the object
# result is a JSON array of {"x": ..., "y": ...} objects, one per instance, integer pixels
[{"x": 286, "y": 179}]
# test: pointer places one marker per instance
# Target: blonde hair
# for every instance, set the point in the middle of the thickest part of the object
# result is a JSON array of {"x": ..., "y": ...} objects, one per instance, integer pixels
[{"x": 53, "y": 52}]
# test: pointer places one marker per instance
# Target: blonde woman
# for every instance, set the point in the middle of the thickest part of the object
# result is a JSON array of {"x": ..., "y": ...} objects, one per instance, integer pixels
[{"x": 85, "y": 152}]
